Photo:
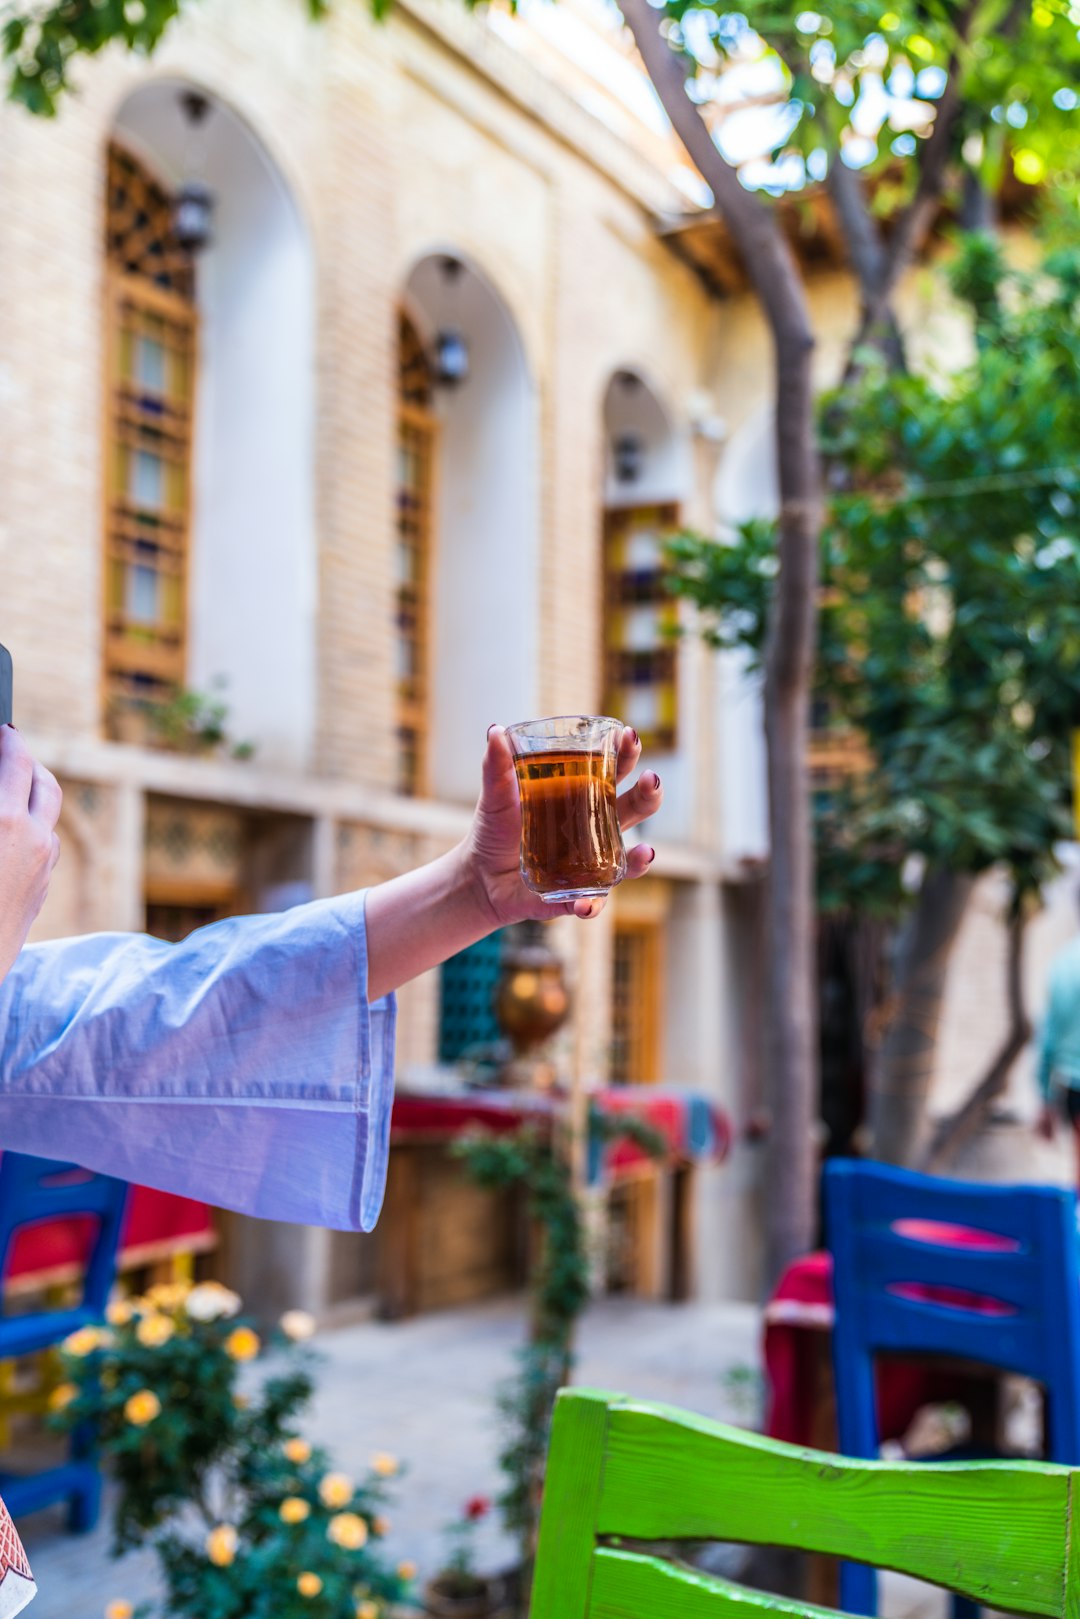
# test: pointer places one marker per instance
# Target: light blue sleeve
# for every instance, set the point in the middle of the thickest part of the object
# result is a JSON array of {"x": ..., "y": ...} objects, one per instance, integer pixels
[{"x": 242, "y": 1066}]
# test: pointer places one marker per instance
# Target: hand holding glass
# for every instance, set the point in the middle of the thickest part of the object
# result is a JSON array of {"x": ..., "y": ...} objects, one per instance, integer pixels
[{"x": 571, "y": 845}]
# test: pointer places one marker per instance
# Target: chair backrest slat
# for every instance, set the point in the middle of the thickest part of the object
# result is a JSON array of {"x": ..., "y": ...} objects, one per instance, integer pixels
[
  {"x": 626, "y": 1585},
  {"x": 997, "y": 1532},
  {"x": 888, "y": 1230}
]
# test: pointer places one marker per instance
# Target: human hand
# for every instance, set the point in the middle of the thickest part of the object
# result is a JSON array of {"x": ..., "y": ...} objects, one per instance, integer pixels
[
  {"x": 1047, "y": 1123},
  {"x": 492, "y": 848},
  {"x": 30, "y": 800}
]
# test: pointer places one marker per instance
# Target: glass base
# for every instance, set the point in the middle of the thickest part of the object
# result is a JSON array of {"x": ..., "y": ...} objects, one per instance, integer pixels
[{"x": 564, "y": 895}]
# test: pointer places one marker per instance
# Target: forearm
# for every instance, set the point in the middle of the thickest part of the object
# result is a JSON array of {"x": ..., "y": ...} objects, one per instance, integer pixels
[{"x": 416, "y": 921}]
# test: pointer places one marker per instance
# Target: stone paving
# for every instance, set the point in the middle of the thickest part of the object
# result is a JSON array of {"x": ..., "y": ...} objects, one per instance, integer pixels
[{"x": 424, "y": 1390}]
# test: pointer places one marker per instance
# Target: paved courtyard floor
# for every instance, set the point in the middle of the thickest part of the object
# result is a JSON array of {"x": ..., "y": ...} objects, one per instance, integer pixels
[{"x": 425, "y": 1391}]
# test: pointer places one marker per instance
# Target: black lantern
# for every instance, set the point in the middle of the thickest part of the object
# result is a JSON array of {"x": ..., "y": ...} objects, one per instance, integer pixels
[
  {"x": 193, "y": 212},
  {"x": 193, "y": 204},
  {"x": 629, "y": 453},
  {"x": 451, "y": 352},
  {"x": 451, "y": 358}
]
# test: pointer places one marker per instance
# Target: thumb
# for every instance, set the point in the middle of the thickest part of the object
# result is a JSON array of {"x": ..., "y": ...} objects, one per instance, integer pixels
[{"x": 498, "y": 767}]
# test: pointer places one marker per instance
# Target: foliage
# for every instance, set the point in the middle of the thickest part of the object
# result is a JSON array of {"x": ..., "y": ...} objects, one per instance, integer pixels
[
  {"x": 950, "y": 620},
  {"x": 194, "y": 720},
  {"x": 247, "y": 1519},
  {"x": 533, "y": 1158},
  {"x": 866, "y": 78},
  {"x": 459, "y": 1576}
]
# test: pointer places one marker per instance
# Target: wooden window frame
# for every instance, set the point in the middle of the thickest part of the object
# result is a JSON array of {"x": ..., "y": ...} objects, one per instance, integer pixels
[
  {"x": 415, "y": 418},
  {"x": 662, "y": 737},
  {"x": 158, "y": 285},
  {"x": 644, "y": 1047}
]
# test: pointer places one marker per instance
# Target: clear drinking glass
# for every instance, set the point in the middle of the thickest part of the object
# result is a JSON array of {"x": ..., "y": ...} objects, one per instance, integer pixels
[{"x": 571, "y": 845}]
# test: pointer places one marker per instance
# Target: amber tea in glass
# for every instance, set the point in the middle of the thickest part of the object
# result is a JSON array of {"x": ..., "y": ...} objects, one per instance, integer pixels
[{"x": 571, "y": 845}]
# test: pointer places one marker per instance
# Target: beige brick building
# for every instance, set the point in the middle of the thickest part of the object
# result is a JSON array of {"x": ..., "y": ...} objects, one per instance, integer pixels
[{"x": 252, "y": 472}]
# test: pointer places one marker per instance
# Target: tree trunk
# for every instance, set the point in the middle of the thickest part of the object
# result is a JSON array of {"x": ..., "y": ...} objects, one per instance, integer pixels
[
  {"x": 953, "y": 1131},
  {"x": 905, "y": 1062},
  {"x": 791, "y": 1036}
]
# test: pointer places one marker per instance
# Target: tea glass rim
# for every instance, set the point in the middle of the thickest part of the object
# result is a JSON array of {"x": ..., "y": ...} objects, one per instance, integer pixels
[{"x": 522, "y": 726}]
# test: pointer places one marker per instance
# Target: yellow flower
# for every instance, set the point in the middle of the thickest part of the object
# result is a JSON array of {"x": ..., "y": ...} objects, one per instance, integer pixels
[
  {"x": 297, "y": 1325},
  {"x": 383, "y": 1464},
  {"x": 154, "y": 1330},
  {"x": 142, "y": 1408},
  {"x": 210, "y": 1300},
  {"x": 309, "y": 1585},
  {"x": 367, "y": 1610},
  {"x": 336, "y": 1490},
  {"x": 406, "y": 1571},
  {"x": 381, "y": 1525},
  {"x": 242, "y": 1344},
  {"x": 168, "y": 1295},
  {"x": 221, "y": 1545},
  {"x": 119, "y": 1312},
  {"x": 85, "y": 1341},
  {"x": 347, "y": 1529},
  {"x": 119, "y": 1610},
  {"x": 296, "y": 1451},
  {"x": 294, "y": 1509},
  {"x": 62, "y": 1395}
]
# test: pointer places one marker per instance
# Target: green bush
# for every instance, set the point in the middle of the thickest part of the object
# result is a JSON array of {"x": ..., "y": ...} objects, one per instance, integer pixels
[{"x": 247, "y": 1518}]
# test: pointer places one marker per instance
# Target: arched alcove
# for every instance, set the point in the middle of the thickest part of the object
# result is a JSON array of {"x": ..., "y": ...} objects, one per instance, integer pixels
[
  {"x": 646, "y": 484},
  {"x": 638, "y": 428},
  {"x": 745, "y": 487},
  {"x": 484, "y": 570},
  {"x": 253, "y": 567}
]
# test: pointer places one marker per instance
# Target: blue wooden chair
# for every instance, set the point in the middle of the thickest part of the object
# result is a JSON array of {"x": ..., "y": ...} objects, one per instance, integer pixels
[
  {"x": 905, "y": 1283},
  {"x": 33, "y": 1190}
]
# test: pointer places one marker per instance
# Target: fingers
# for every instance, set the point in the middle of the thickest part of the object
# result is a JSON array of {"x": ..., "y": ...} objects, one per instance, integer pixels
[
  {"x": 498, "y": 759},
  {"x": 46, "y": 796},
  {"x": 639, "y": 859},
  {"x": 585, "y": 909},
  {"x": 629, "y": 753},
  {"x": 641, "y": 801},
  {"x": 16, "y": 772}
]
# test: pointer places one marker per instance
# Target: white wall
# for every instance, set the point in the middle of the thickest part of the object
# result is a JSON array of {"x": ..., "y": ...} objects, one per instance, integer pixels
[
  {"x": 485, "y": 593},
  {"x": 253, "y": 580},
  {"x": 746, "y": 487},
  {"x": 664, "y": 480}
]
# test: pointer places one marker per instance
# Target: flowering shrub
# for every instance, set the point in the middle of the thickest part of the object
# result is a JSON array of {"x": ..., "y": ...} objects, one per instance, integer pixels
[{"x": 248, "y": 1519}]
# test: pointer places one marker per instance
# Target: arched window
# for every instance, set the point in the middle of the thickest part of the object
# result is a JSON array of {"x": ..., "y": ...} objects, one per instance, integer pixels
[
  {"x": 150, "y": 334},
  {"x": 416, "y": 459}
]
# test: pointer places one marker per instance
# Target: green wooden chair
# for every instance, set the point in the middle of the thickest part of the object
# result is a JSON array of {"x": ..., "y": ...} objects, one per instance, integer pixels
[{"x": 622, "y": 1472}]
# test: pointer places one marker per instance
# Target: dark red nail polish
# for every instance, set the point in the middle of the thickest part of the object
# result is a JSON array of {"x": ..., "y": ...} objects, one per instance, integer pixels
[
  {"x": 655, "y": 782},
  {"x": 634, "y": 736},
  {"x": 652, "y": 855},
  {"x": 492, "y": 726}
]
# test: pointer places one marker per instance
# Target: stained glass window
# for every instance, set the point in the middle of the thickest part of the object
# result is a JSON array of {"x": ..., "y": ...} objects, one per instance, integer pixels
[
  {"x": 415, "y": 469},
  {"x": 640, "y": 618},
  {"x": 150, "y": 345}
]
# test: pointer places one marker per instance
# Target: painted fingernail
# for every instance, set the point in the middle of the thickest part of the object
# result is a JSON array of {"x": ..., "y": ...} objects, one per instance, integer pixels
[
  {"x": 492, "y": 727},
  {"x": 635, "y": 739},
  {"x": 652, "y": 855},
  {"x": 655, "y": 785}
]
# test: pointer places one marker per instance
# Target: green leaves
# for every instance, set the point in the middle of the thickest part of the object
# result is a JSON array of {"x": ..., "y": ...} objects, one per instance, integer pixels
[
  {"x": 950, "y": 617},
  {"x": 246, "y": 1518},
  {"x": 41, "y": 42}
]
